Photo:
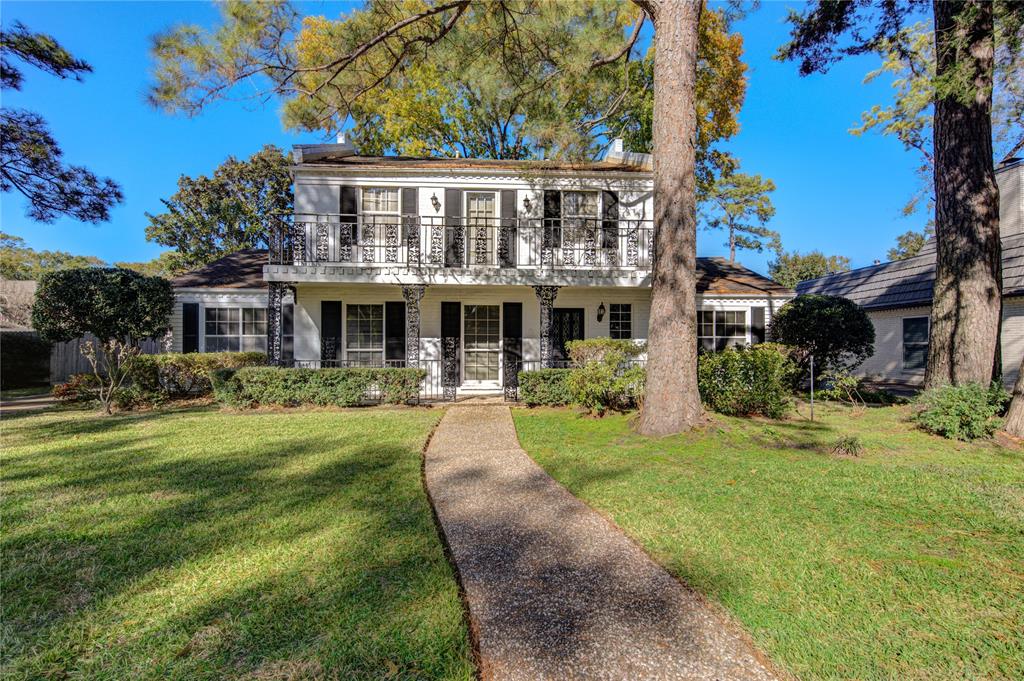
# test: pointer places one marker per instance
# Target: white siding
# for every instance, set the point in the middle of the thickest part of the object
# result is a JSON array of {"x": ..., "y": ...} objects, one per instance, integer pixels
[{"x": 210, "y": 298}]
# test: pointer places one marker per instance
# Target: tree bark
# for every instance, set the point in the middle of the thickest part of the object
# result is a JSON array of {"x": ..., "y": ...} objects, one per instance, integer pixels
[
  {"x": 1014, "y": 424},
  {"x": 671, "y": 400},
  {"x": 967, "y": 298}
]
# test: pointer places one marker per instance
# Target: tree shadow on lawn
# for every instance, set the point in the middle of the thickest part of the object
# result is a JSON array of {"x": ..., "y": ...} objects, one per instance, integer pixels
[{"x": 220, "y": 564}]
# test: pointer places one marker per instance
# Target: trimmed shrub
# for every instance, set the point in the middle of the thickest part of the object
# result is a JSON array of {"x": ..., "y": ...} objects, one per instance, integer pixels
[
  {"x": 25, "y": 360},
  {"x": 747, "y": 380},
  {"x": 959, "y": 412},
  {"x": 345, "y": 387},
  {"x": 179, "y": 375},
  {"x": 835, "y": 330},
  {"x": 78, "y": 388},
  {"x": 544, "y": 387},
  {"x": 602, "y": 378}
]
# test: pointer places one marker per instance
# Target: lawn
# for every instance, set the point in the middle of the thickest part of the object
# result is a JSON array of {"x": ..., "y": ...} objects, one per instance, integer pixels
[
  {"x": 904, "y": 563},
  {"x": 197, "y": 544}
]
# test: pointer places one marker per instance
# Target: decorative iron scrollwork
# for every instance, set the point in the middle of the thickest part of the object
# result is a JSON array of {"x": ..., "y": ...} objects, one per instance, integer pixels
[
  {"x": 299, "y": 242},
  {"x": 412, "y": 295},
  {"x": 275, "y": 310},
  {"x": 322, "y": 243},
  {"x": 346, "y": 241},
  {"x": 392, "y": 240},
  {"x": 368, "y": 236},
  {"x": 450, "y": 366},
  {"x": 436, "y": 244},
  {"x": 546, "y": 296},
  {"x": 633, "y": 246},
  {"x": 412, "y": 242}
]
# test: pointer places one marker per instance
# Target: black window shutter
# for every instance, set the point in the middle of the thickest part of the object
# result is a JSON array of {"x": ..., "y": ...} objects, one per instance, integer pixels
[
  {"x": 451, "y": 332},
  {"x": 757, "y": 325},
  {"x": 609, "y": 219},
  {"x": 330, "y": 329},
  {"x": 507, "y": 232},
  {"x": 454, "y": 230},
  {"x": 410, "y": 218},
  {"x": 552, "y": 218},
  {"x": 347, "y": 208},
  {"x": 190, "y": 327},
  {"x": 288, "y": 332},
  {"x": 394, "y": 330},
  {"x": 512, "y": 341}
]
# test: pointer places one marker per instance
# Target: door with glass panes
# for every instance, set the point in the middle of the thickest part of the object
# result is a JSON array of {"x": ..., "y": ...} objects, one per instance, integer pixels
[{"x": 481, "y": 345}]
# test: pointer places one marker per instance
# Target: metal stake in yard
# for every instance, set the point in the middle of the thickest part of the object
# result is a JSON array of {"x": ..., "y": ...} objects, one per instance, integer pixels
[{"x": 812, "y": 387}]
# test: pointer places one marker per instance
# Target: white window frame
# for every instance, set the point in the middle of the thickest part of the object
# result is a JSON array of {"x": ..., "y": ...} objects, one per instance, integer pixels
[
  {"x": 379, "y": 218},
  {"x": 351, "y": 353},
  {"x": 240, "y": 335},
  {"x": 903, "y": 343},
  {"x": 501, "y": 345},
  {"x": 744, "y": 337}
]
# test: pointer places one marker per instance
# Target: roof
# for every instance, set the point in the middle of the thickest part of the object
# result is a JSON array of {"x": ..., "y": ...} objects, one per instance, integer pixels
[
  {"x": 241, "y": 269},
  {"x": 719, "y": 276},
  {"x": 909, "y": 282},
  {"x": 344, "y": 160},
  {"x": 244, "y": 269}
]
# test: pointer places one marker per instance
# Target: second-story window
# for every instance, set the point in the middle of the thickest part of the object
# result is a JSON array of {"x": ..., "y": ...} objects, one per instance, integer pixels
[
  {"x": 381, "y": 206},
  {"x": 579, "y": 218}
]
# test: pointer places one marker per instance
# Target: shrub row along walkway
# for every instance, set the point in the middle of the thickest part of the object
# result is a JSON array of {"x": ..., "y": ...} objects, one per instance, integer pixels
[{"x": 554, "y": 590}]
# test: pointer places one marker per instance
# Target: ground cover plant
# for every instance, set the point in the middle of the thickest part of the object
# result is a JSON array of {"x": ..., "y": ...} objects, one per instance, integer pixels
[
  {"x": 900, "y": 560},
  {"x": 195, "y": 544}
]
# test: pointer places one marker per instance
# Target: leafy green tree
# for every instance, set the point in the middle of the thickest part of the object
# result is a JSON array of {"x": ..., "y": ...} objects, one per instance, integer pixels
[
  {"x": 167, "y": 264},
  {"x": 326, "y": 70},
  {"x": 30, "y": 158},
  {"x": 789, "y": 269},
  {"x": 910, "y": 243},
  {"x": 18, "y": 261},
  {"x": 117, "y": 306},
  {"x": 971, "y": 39},
  {"x": 834, "y": 330},
  {"x": 233, "y": 209},
  {"x": 740, "y": 204}
]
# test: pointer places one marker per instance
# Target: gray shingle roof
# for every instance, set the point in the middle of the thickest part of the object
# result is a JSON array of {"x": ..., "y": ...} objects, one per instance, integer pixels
[
  {"x": 908, "y": 283},
  {"x": 241, "y": 269}
]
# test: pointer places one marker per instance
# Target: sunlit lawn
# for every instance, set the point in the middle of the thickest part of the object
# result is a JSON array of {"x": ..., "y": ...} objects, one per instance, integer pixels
[
  {"x": 904, "y": 563},
  {"x": 207, "y": 545}
]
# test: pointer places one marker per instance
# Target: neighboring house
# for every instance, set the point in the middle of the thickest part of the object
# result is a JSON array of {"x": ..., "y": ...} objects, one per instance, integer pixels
[
  {"x": 898, "y": 295},
  {"x": 471, "y": 269}
]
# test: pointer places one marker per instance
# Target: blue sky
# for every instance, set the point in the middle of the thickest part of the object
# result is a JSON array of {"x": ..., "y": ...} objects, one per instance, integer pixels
[{"x": 836, "y": 192}]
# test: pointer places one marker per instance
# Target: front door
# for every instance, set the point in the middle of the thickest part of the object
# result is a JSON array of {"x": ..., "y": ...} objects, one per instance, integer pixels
[
  {"x": 481, "y": 344},
  {"x": 568, "y": 323}
]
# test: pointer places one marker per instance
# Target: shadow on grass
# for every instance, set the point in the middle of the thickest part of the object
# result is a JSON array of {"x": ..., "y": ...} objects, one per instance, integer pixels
[{"x": 270, "y": 550}]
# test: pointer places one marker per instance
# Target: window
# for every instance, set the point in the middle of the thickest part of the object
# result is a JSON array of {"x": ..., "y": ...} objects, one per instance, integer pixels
[
  {"x": 720, "y": 329},
  {"x": 380, "y": 207},
  {"x": 481, "y": 345},
  {"x": 364, "y": 335},
  {"x": 915, "y": 343},
  {"x": 620, "y": 320},
  {"x": 579, "y": 219},
  {"x": 230, "y": 329},
  {"x": 481, "y": 209}
]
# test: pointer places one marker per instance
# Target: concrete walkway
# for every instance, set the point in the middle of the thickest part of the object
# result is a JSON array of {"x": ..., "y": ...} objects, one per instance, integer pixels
[
  {"x": 554, "y": 590},
  {"x": 27, "y": 403}
]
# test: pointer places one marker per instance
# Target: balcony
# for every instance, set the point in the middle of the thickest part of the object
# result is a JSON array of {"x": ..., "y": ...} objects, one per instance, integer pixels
[{"x": 496, "y": 249}]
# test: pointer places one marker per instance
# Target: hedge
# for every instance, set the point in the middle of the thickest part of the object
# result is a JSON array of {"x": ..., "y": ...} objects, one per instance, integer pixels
[
  {"x": 547, "y": 387},
  {"x": 24, "y": 361},
  {"x": 344, "y": 387},
  {"x": 182, "y": 375},
  {"x": 747, "y": 380}
]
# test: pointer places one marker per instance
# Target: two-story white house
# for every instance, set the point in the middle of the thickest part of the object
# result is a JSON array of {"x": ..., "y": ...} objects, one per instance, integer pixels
[{"x": 471, "y": 269}]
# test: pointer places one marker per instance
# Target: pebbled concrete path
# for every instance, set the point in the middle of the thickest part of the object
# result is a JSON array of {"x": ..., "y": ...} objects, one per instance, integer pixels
[{"x": 554, "y": 590}]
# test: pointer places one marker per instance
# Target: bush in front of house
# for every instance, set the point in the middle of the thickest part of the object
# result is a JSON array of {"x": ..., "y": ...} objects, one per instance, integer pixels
[
  {"x": 344, "y": 387},
  {"x": 78, "y": 388},
  {"x": 959, "y": 412},
  {"x": 544, "y": 387},
  {"x": 177, "y": 375},
  {"x": 746, "y": 381},
  {"x": 835, "y": 330},
  {"x": 603, "y": 377}
]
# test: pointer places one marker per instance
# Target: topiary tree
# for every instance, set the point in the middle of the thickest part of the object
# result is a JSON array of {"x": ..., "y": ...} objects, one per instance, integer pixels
[
  {"x": 835, "y": 331},
  {"x": 117, "y": 306}
]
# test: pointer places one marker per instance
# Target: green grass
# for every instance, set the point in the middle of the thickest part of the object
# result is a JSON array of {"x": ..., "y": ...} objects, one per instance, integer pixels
[
  {"x": 203, "y": 545},
  {"x": 904, "y": 563},
  {"x": 24, "y": 392}
]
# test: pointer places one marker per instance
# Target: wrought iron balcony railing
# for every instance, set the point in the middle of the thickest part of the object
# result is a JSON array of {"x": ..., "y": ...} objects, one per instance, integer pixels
[{"x": 383, "y": 240}]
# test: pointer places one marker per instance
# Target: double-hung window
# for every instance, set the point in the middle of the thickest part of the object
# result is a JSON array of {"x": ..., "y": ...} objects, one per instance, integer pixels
[
  {"x": 364, "y": 335},
  {"x": 720, "y": 329},
  {"x": 381, "y": 209},
  {"x": 230, "y": 329},
  {"x": 580, "y": 213},
  {"x": 620, "y": 321},
  {"x": 915, "y": 343}
]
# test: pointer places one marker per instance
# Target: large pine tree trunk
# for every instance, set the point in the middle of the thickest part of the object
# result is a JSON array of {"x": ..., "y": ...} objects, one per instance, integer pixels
[
  {"x": 968, "y": 287},
  {"x": 1015, "y": 416},
  {"x": 671, "y": 401}
]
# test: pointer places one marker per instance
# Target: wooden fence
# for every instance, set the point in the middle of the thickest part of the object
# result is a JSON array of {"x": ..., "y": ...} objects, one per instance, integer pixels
[{"x": 67, "y": 359}]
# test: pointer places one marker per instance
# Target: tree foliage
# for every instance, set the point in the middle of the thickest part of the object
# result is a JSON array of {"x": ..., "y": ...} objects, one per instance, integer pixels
[
  {"x": 789, "y": 269},
  {"x": 740, "y": 205},
  {"x": 834, "y": 330},
  {"x": 108, "y": 302},
  {"x": 515, "y": 79},
  {"x": 167, "y": 264},
  {"x": 910, "y": 243},
  {"x": 31, "y": 161},
  {"x": 233, "y": 209},
  {"x": 18, "y": 261}
]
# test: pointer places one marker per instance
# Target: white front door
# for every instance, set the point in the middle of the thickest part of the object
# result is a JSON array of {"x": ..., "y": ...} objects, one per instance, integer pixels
[{"x": 482, "y": 345}]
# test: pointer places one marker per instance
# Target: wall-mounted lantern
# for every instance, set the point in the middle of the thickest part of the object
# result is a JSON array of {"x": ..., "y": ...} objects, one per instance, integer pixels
[
  {"x": 600, "y": 312},
  {"x": 435, "y": 202},
  {"x": 526, "y": 203}
]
